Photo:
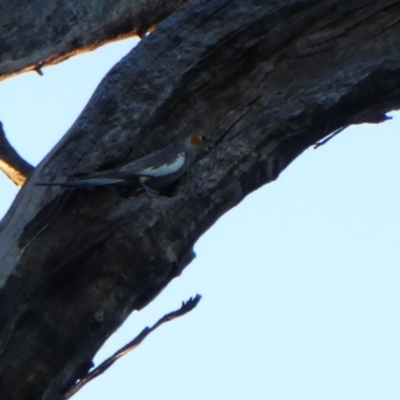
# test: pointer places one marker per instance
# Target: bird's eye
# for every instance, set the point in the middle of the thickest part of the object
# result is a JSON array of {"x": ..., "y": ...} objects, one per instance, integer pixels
[{"x": 204, "y": 138}]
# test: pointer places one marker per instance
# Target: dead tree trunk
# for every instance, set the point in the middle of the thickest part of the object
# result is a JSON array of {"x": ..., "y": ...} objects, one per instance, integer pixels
[
  {"x": 275, "y": 76},
  {"x": 41, "y": 33}
]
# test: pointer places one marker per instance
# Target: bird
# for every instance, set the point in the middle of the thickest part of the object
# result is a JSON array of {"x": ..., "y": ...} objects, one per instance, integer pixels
[{"x": 152, "y": 172}]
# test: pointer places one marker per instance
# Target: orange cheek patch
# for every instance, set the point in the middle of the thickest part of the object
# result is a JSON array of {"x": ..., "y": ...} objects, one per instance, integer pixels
[{"x": 195, "y": 140}]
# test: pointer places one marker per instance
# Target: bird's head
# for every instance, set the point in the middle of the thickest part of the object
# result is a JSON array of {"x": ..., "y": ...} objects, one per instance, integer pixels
[{"x": 199, "y": 143}]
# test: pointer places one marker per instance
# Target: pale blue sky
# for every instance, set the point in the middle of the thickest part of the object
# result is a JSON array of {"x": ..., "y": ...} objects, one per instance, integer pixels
[{"x": 300, "y": 282}]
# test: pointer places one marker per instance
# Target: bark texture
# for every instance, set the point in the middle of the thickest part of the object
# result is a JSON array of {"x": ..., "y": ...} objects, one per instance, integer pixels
[
  {"x": 39, "y": 33},
  {"x": 275, "y": 77}
]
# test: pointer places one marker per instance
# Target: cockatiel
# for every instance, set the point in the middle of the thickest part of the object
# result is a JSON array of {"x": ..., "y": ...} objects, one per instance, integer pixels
[{"x": 155, "y": 171}]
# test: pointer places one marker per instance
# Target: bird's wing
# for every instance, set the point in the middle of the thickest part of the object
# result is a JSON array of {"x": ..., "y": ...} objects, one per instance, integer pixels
[{"x": 152, "y": 166}]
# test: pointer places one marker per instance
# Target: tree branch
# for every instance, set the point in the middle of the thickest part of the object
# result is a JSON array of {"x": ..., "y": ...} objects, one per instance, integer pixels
[
  {"x": 185, "y": 308},
  {"x": 11, "y": 163},
  {"x": 46, "y": 33},
  {"x": 328, "y": 138}
]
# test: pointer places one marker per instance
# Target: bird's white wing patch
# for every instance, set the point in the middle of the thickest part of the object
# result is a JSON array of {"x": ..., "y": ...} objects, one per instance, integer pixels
[{"x": 165, "y": 169}]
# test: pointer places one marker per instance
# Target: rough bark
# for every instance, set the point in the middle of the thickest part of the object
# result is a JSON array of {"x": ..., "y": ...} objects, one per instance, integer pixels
[
  {"x": 276, "y": 76},
  {"x": 37, "y": 33}
]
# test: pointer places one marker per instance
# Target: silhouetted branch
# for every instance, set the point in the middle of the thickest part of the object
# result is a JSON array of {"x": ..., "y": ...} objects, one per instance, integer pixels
[{"x": 185, "y": 308}]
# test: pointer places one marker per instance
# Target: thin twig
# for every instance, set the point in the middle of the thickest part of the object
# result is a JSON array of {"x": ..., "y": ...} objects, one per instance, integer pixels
[
  {"x": 331, "y": 136},
  {"x": 185, "y": 308},
  {"x": 11, "y": 163},
  {"x": 38, "y": 70}
]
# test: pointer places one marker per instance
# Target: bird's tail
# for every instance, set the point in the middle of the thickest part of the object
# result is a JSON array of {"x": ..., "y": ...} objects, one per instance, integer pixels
[{"x": 83, "y": 182}]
